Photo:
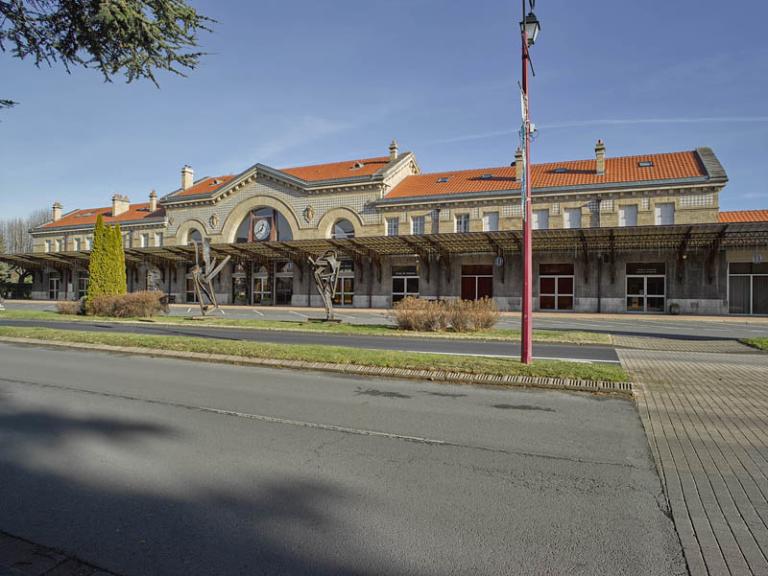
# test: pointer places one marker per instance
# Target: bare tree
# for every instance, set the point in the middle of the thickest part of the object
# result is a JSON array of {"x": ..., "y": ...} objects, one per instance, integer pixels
[{"x": 15, "y": 234}]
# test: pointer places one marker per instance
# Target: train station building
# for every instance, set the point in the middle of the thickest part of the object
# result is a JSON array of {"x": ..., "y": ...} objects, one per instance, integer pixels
[{"x": 611, "y": 234}]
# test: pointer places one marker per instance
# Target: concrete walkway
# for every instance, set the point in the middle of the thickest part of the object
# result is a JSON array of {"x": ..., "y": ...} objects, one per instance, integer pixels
[{"x": 706, "y": 417}]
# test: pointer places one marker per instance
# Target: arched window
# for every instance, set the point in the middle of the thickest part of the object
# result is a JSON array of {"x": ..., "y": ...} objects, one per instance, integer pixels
[
  {"x": 342, "y": 229},
  {"x": 194, "y": 235},
  {"x": 264, "y": 224}
]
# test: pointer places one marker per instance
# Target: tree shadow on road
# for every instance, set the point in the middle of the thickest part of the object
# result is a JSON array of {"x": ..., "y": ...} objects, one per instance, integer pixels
[{"x": 288, "y": 525}]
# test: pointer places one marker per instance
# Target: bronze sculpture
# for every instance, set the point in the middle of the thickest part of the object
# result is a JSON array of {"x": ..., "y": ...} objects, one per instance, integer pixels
[
  {"x": 326, "y": 272},
  {"x": 203, "y": 275}
]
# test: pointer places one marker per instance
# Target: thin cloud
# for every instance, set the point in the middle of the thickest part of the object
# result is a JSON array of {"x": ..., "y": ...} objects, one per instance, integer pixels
[
  {"x": 603, "y": 122},
  {"x": 633, "y": 121}
]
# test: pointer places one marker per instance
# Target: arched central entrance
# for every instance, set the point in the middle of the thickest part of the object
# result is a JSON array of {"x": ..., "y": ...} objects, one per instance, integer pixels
[
  {"x": 262, "y": 225},
  {"x": 263, "y": 283}
]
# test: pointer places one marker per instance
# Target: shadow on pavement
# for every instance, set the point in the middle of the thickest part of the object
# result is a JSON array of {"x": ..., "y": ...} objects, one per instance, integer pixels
[{"x": 102, "y": 514}]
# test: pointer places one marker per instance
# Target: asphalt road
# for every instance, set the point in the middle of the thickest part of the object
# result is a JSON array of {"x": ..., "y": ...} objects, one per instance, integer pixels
[
  {"x": 434, "y": 345},
  {"x": 162, "y": 467}
]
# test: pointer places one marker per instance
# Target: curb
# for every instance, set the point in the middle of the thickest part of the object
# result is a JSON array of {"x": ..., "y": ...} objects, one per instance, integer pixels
[
  {"x": 594, "y": 386},
  {"x": 24, "y": 558}
]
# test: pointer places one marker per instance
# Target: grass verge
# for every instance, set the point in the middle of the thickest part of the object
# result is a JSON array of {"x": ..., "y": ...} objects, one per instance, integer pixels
[
  {"x": 759, "y": 343},
  {"x": 495, "y": 334},
  {"x": 333, "y": 354}
]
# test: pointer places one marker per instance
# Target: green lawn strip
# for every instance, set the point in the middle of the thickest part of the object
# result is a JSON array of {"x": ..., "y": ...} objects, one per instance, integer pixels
[
  {"x": 497, "y": 334},
  {"x": 759, "y": 343},
  {"x": 332, "y": 354}
]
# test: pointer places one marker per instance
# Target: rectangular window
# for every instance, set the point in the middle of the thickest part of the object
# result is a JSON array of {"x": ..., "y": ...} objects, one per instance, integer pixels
[
  {"x": 665, "y": 214},
  {"x": 47, "y": 245},
  {"x": 127, "y": 240},
  {"x": 417, "y": 225},
  {"x": 462, "y": 222},
  {"x": 144, "y": 240},
  {"x": 540, "y": 219},
  {"x": 88, "y": 242},
  {"x": 393, "y": 226},
  {"x": 77, "y": 244},
  {"x": 158, "y": 239},
  {"x": 405, "y": 282},
  {"x": 628, "y": 215},
  {"x": 57, "y": 245},
  {"x": 572, "y": 218},
  {"x": 556, "y": 282},
  {"x": 491, "y": 222},
  {"x": 435, "y": 217}
]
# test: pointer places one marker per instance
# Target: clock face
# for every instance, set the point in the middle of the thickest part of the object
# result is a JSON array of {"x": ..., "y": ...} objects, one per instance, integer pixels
[{"x": 261, "y": 229}]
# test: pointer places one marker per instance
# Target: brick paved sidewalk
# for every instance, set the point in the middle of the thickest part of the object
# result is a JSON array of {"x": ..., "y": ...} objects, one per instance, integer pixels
[
  {"x": 21, "y": 558},
  {"x": 706, "y": 417}
]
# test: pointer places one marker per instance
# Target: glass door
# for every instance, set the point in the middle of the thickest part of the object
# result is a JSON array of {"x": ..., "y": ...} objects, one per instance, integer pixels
[
  {"x": 556, "y": 286},
  {"x": 748, "y": 288},
  {"x": 54, "y": 285},
  {"x": 240, "y": 294},
  {"x": 82, "y": 285},
  {"x": 760, "y": 294},
  {"x": 345, "y": 284},
  {"x": 646, "y": 293},
  {"x": 283, "y": 283},
  {"x": 262, "y": 287},
  {"x": 476, "y": 282},
  {"x": 646, "y": 287}
]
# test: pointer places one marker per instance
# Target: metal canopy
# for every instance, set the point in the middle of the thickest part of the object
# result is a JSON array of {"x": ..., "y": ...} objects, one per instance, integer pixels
[{"x": 676, "y": 239}]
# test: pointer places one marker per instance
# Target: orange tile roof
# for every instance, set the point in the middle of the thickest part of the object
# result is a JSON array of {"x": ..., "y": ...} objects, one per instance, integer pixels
[
  {"x": 338, "y": 170},
  {"x": 206, "y": 185},
  {"x": 744, "y": 216},
  {"x": 88, "y": 216},
  {"x": 672, "y": 166}
]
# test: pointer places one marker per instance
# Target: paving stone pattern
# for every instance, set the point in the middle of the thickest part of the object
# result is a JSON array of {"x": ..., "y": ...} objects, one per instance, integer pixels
[
  {"x": 681, "y": 345},
  {"x": 706, "y": 417}
]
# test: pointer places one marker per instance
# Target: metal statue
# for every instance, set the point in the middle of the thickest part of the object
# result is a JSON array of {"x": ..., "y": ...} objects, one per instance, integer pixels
[
  {"x": 154, "y": 279},
  {"x": 203, "y": 275},
  {"x": 326, "y": 272}
]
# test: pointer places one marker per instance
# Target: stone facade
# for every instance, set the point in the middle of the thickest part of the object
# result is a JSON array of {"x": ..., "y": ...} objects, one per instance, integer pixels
[{"x": 311, "y": 208}]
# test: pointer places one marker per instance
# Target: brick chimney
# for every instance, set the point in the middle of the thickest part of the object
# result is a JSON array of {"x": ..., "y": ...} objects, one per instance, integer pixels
[
  {"x": 519, "y": 164},
  {"x": 393, "y": 151},
  {"x": 56, "y": 211},
  {"x": 600, "y": 158},
  {"x": 152, "y": 201},
  {"x": 187, "y": 177},
  {"x": 120, "y": 205}
]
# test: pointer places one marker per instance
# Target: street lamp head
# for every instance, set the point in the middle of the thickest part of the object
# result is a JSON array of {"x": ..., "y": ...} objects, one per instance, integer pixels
[{"x": 531, "y": 27}]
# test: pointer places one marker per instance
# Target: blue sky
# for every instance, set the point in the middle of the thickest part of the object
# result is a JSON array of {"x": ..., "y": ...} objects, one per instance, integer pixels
[{"x": 296, "y": 82}]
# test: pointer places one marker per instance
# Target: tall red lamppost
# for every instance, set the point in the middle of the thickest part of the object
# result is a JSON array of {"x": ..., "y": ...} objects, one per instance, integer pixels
[{"x": 529, "y": 30}]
